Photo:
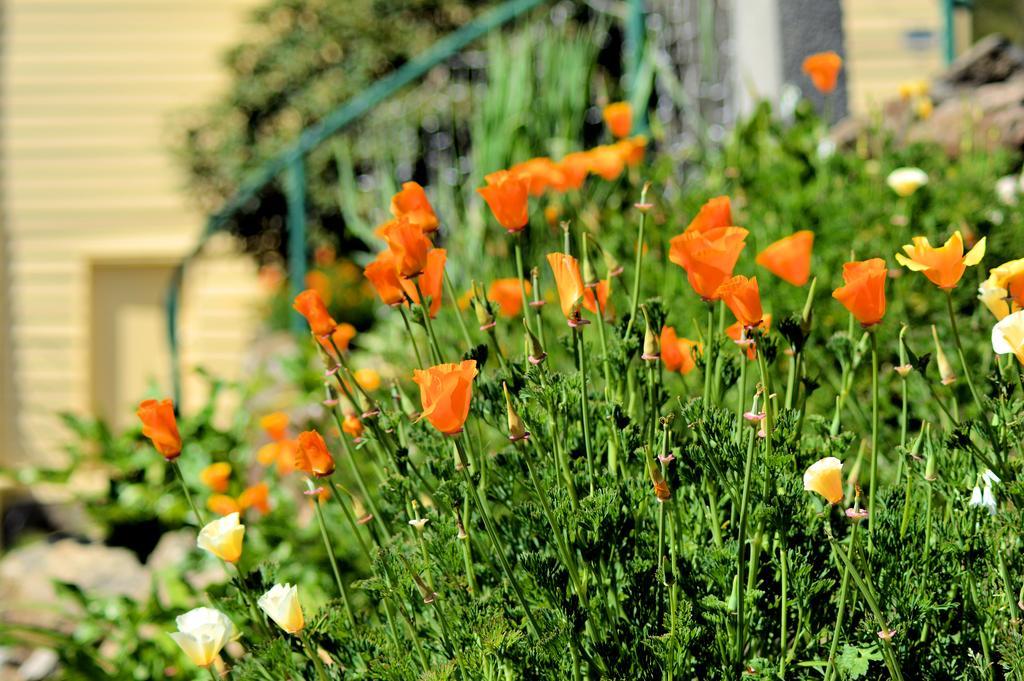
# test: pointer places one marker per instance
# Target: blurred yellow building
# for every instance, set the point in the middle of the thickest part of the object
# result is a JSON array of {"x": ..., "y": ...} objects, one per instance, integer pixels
[
  {"x": 888, "y": 43},
  {"x": 94, "y": 217}
]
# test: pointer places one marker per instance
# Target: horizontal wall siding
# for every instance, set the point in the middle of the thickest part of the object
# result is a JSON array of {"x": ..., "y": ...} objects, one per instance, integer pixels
[
  {"x": 878, "y": 55},
  {"x": 88, "y": 89}
]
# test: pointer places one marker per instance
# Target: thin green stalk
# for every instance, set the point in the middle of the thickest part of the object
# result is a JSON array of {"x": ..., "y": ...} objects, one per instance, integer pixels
[
  {"x": 709, "y": 352},
  {"x": 837, "y": 628},
  {"x": 783, "y": 623},
  {"x": 188, "y": 495},
  {"x": 499, "y": 548},
  {"x": 567, "y": 557},
  {"x": 581, "y": 356},
  {"x": 458, "y": 313},
  {"x": 637, "y": 265},
  {"x": 741, "y": 397},
  {"x": 741, "y": 548},
  {"x": 412, "y": 338},
  {"x": 314, "y": 658},
  {"x": 425, "y": 309},
  {"x": 872, "y": 489},
  {"x": 213, "y": 674},
  {"x": 963, "y": 361},
  {"x": 869, "y": 597},
  {"x": 517, "y": 247},
  {"x": 330, "y": 554}
]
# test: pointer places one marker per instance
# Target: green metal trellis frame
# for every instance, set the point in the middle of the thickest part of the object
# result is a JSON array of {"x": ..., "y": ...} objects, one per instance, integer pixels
[{"x": 290, "y": 162}]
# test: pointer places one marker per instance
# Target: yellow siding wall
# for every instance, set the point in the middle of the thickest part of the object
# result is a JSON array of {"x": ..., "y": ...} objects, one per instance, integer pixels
[
  {"x": 878, "y": 58},
  {"x": 88, "y": 182}
]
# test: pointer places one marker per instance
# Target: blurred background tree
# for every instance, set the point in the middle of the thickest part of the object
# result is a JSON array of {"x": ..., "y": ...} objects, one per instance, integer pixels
[{"x": 306, "y": 57}]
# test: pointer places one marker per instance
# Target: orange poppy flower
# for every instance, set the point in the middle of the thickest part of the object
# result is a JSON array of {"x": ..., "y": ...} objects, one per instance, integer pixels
[
  {"x": 368, "y": 379},
  {"x": 538, "y": 173},
  {"x": 738, "y": 334},
  {"x": 352, "y": 425},
  {"x": 708, "y": 256},
  {"x": 431, "y": 281},
  {"x": 716, "y": 212},
  {"x": 222, "y": 504},
  {"x": 321, "y": 283},
  {"x": 508, "y": 295},
  {"x": 618, "y": 116},
  {"x": 445, "y": 392},
  {"x": 592, "y": 295},
  {"x": 409, "y": 247},
  {"x": 160, "y": 426},
  {"x": 607, "y": 161},
  {"x": 943, "y": 265},
  {"x": 743, "y": 298},
  {"x": 311, "y": 455},
  {"x": 678, "y": 354},
  {"x": 342, "y": 336},
  {"x": 823, "y": 70},
  {"x": 310, "y": 305},
  {"x": 568, "y": 281},
  {"x": 383, "y": 275},
  {"x": 281, "y": 453},
  {"x": 632, "y": 150},
  {"x": 574, "y": 167},
  {"x": 864, "y": 291},
  {"x": 412, "y": 204},
  {"x": 275, "y": 425},
  {"x": 507, "y": 196},
  {"x": 216, "y": 476},
  {"x": 255, "y": 496},
  {"x": 789, "y": 258}
]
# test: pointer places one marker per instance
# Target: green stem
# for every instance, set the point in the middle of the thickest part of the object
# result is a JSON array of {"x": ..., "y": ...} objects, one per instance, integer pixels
[
  {"x": 499, "y": 548},
  {"x": 567, "y": 557},
  {"x": 637, "y": 267},
  {"x": 748, "y": 467},
  {"x": 188, "y": 495},
  {"x": 317, "y": 662},
  {"x": 330, "y": 554},
  {"x": 837, "y": 628},
  {"x": 458, "y": 313},
  {"x": 869, "y": 597},
  {"x": 425, "y": 309},
  {"x": 963, "y": 361},
  {"x": 412, "y": 338},
  {"x": 517, "y": 247},
  {"x": 709, "y": 352},
  {"x": 874, "y": 439},
  {"x": 581, "y": 354}
]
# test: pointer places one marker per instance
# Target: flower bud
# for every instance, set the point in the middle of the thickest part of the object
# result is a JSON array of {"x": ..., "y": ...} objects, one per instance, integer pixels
[
  {"x": 661, "y": 490},
  {"x": 281, "y": 604},
  {"x": 651, "y": 347},
  {"x": 516, "y": 427},
  {"x": 534, "y": 350},
  {"x": 223, "y": 538},
  {"x": 945, "y": 368}
]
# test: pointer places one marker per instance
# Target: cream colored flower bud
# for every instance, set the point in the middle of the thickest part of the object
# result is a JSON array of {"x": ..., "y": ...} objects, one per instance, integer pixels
[
  {"x": 945, "y": 368},
  {"x": 516, "y": 427},
  {"x": 202, "y": 633},
  {"x": 281, "y": 604},
  {"x": 825, "y": 477},
  {"x": 906, "y": 181},
  {"x": 223, "y": 538}
]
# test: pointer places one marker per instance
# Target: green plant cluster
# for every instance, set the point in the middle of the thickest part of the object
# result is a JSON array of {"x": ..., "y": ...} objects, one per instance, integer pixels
[{"x": 560, "y": 556}]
